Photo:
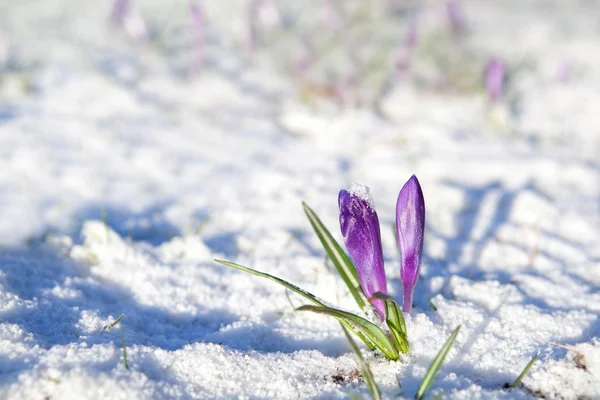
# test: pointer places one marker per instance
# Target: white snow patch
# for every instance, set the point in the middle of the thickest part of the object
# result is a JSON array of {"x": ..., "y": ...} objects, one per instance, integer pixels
[{"x": 364, "y": 193}]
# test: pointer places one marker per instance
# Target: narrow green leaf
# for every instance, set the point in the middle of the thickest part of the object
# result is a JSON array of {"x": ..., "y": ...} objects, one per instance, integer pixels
[
  {"x": 432, "y": 305},
  {"x": 125, "y": 362},
  {"x": 342, "y": 263},
  {"x": 525, "y": 371},
  {"x": 288, "y": 285},
  {"x": 367, "y": 328},
  {"x": 298, "y": 290},
  {"x": 435, "y": 366},
  {"x": 364, "y": 368},
  {"x": 395, "y": 321},
  {"x": 115, "y": 322}
]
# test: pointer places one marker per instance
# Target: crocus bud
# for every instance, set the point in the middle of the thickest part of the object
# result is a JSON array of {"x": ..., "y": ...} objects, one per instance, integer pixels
[
  {"x": 360, "y": 228},
  {"x": 495, "y": 73},
  {"x": 410, "y": 226}
]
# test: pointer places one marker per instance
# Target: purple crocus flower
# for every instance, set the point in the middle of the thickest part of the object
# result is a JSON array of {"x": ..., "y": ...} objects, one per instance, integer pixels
[
  {"x": 199, "y": 26},
  {"x": 119, "y": 11},
  {"x": 411, "y": 37},
  {"x": 455, "y": 16},
  {"x": 495, "y": 72},
  {"x": 360, "y": 228},
  {"x": 563, "y": 70},
  {"x": 128, "y": 19},
  {"x": 197, "y": 19},
  {"x": 410, "y": 227}
]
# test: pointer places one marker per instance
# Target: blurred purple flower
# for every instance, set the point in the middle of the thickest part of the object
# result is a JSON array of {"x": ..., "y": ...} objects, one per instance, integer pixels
[
  {"x": 330, "y": 16},
  {"x": 197, "y": 18},
  {"x": 130, "y": 21},
  {"x": 360, "y": 228},
  {"x": 495, "y": 73},
  {"x": 198, "y": 23},
  {"x": 119, "y": 11},
  {"x": 253, "y": 9},
  {"x": 265, "y": 13},
  {"x": 563, "y": 70},
  {"x": 455, "y": 16},
  {"x": 410, "y": 228},
  {"x": 411, "y": 36},
  {"x": 404, "y": 60}
]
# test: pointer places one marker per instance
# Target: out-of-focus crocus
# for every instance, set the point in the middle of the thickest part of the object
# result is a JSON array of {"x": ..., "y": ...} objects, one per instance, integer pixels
[
  {"x": 412, "y": 35},
  {"x": 198, "y": 24},
  {"x": 119, "y": 10},
  {"x": 360, "y": 228},
  {"x": 495, "y": 72},
  {"x": 330, "y": 16},
  {"x": 563, "y": 70},
  {"x": 128, "y": 19},
  {"x": 197, "y": 20},
  {"x": 404, "y": 60},
  {"x": 410, "y": 228},
  {"x": 455, "y": 16},
  {"x": 265, "y": 13}
]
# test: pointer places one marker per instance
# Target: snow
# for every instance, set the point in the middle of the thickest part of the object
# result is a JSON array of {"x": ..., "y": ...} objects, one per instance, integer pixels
[
  {"x": 364, "y": 193},
  {"x": 125, "y": 170}
]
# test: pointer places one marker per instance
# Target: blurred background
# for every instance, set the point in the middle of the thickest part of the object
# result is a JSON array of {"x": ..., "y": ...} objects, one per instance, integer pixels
[{"x": 160, "y": 113}]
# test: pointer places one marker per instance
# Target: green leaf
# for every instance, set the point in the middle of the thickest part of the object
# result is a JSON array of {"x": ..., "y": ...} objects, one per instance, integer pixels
[
  {"x": 364, "y": 368},
  {"x": 395, "y": 321},
  {"x": 367, "y": 328},
  {"x": 342, "y": 263},
  {"x": 525, "y": 371},
  {"x": 300, "y": 291},
  {"x": 435, "y": 366},
  {"x": 288, "y": 285},
  {"x": 125, "y": 362}
]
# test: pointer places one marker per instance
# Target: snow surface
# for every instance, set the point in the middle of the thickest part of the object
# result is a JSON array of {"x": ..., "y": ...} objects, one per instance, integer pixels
[
  {"x": 364, "y": 193},
  {"x": 186, "y": 167}
]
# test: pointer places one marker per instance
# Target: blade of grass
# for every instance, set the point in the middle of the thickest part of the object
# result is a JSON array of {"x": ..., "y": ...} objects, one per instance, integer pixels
[
  {"x": 432, "y": 305},
  {"x": 367, "y": 328},
  {"x": 297, "y": 290},
  {"x": 435, "y": 366},
  {"x": 525, "y": 371},
  {"x": 125, "y": 362},
  {"x": 109, "y": 326},
  {"x": 342, "y": 263},
  {"x": 395, "y": 321},
  {"x": 288, "y": 285},
  {"x": 104, "y": 217},
  {"x": 364, "y": 368}
]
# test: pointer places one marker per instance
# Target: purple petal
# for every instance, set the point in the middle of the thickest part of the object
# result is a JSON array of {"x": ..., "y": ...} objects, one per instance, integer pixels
[
  {"x": 360, "y": 228},
  {"x": 120, "y": 10},
  {"x": 563, "y": 70},
  {"x": 410, "y": 226},
  {"x": 411, "y": 37},
  {"x": 198, "y": 26},
  {"x": 495, "y": 72},
  {"x": 455, "y": 16},
  {"x": 197, "y": 17}
]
